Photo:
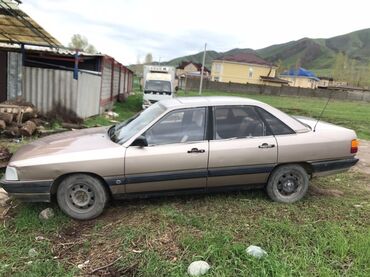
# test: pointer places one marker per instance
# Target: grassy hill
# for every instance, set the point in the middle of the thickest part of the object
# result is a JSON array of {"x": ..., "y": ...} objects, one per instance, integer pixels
[
  {"x": 315, "y": 54},
  {"x": 210, "y": 56}
]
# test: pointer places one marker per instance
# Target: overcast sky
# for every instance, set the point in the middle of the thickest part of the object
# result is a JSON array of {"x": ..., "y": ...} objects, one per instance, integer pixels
[{"x": 126, "y": 29}]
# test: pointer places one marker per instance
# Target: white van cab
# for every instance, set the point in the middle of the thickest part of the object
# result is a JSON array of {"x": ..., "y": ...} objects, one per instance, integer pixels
[{"x": 159, "y": 83}]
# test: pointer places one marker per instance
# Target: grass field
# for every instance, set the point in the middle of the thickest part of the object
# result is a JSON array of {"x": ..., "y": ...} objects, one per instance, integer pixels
[
  {"x": 322, "y": 235},
  {"x": 326, "y": 234}
]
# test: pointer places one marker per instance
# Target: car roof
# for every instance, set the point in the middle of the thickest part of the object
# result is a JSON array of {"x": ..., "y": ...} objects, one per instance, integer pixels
[{"x": 208, "y": 101}]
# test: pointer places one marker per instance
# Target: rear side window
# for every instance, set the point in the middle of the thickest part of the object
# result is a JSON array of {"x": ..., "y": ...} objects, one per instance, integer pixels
[
  {"x": 238, "y": 122},
  {"x": 276, "y": 125}
]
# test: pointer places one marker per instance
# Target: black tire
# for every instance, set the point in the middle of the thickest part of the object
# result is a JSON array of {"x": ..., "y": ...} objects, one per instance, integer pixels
[
  {"x": 82, "y": 196},
  {"x": 287, "y": 183}
]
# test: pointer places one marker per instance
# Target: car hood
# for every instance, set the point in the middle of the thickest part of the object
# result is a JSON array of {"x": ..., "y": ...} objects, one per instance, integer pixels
[{"x": 65, "y": 143}]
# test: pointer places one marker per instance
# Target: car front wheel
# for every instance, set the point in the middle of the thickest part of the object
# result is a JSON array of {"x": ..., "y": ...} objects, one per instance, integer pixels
[
  {"x": 288, "y": 183},
  {"x": 82, "y": 196}
]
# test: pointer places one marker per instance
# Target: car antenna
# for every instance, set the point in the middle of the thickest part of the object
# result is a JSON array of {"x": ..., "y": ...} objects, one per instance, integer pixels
[{"x": 322, "y": 112}]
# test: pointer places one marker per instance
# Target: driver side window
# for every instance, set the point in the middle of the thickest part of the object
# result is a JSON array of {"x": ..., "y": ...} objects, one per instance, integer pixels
[{"x": 179, "y": 126}]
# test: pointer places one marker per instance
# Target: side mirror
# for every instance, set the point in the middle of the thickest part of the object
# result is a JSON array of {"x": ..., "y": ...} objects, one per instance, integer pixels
[{"x": 140, "y": 141}]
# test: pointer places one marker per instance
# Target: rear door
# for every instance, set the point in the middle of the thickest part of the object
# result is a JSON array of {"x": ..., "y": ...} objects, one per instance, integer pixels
[
  {"x": 243, "y": 150},
  {"x": 176, "y": 158}
]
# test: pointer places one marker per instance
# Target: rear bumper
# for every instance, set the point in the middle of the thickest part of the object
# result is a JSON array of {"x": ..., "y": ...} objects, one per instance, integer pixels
[
  {"x": 28, "y": 191},
  {"x": 332, "y": 167}
]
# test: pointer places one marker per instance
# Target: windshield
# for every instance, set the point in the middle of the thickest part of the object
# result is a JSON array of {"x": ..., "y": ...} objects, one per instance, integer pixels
[
  {"x": 126, "y": 130},
  {"x": 156, "y": 85}
]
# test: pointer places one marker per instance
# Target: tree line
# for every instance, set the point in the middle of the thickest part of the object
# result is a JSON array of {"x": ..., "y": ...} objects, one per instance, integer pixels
[{"x": 352, "y": 71}]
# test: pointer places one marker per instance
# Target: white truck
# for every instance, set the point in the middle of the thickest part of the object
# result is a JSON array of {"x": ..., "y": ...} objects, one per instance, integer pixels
[{"x": 159, "y": 83}]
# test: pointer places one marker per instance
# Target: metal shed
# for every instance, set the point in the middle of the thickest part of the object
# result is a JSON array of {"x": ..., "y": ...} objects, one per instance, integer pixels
[
  {"x": 48, "y": 79},
  {"x": 35, "y": 67}
]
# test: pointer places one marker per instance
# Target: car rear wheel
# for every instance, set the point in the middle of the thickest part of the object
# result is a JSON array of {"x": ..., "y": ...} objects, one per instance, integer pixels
[
  {"x": 82, "y": 196},
  {"x": 288, "y": 183}
]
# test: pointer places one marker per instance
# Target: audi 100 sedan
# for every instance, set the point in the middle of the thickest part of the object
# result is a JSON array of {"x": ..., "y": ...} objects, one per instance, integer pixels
[{"x": 181, "y": 145}]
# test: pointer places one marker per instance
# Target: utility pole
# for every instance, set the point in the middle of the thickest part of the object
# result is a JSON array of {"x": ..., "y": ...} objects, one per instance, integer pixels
[{"x": 202, "y": 71}]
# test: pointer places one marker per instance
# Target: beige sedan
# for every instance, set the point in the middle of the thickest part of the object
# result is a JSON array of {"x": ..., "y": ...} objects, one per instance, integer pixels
[{"x": 182, "y": 145}]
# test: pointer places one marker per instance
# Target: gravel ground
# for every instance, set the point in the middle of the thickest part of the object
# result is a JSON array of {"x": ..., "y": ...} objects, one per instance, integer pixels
[{"x": 363, "y": 165}]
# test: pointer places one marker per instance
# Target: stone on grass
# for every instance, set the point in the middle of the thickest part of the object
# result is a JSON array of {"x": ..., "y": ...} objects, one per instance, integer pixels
[
  {"x": 111, "y": 114},
  {"x": 84, "y": 264},
  {"x": 46, "y": 214},
  {"x": 198, "y": 268},
  {"x": 32, "y": 253},
  {"x": 256, "y": 251}
]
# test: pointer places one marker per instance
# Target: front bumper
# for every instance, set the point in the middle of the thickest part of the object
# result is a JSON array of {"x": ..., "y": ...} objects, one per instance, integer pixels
[
  {"x": 325, "y": 168},
  {"x": 28, "y": 191}
]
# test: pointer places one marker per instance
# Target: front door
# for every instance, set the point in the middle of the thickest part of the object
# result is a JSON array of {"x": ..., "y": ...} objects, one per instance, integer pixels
[
  {"x": 176, "y": 157},
  {"x": 243, "y": 150}
]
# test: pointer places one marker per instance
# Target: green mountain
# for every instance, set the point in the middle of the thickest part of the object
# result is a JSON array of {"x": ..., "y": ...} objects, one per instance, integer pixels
[
  {"x": 210, "y": 56},
  {"x": 198, "y": 58},
  {"x": 318, "y": 55}
]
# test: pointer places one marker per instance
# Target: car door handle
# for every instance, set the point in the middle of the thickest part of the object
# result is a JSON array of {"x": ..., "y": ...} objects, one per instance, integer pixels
[
  {"x": 196, "y": 150},
  {"x": 266, "y": 145}
]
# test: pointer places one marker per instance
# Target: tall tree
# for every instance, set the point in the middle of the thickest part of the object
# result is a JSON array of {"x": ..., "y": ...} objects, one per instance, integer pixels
[
  {"x": 138, "y": 59},
  {"x": 280, "y": 67},
  {"x": 361, "y": 74},
  {"x": 81, "y": 43},
  {"x": 352, "y": 71},
  {"x": 366, "y": 81},
  {"x": 341, "y": 68},
  {"x": 354, "y": 74},
  {"x": 148, "y": 58}
]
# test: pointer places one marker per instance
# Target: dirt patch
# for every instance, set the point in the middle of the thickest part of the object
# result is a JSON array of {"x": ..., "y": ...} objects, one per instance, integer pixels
[
  {"x": 317, "y": 191},
  {"x": 363, "y": 154},
  {"x": 97, "y": 251},
  {"x": 79, "y": 246}
]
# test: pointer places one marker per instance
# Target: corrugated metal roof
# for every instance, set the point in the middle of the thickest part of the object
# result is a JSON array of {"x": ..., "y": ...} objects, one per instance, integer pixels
[
  {"x": 47, "y": 49},
  {"x": 59, "y": 51},
  {"x": 17, "y": 27}
]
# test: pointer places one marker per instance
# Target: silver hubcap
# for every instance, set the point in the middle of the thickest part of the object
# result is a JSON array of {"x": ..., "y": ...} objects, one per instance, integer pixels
[
  {"x": 289, "y": 183},
  {"x": 81, "y": 196}
]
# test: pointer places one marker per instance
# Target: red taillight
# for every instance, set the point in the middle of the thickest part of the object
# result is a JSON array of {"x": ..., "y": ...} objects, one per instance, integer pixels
[{"x": 354, "y": 146}]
